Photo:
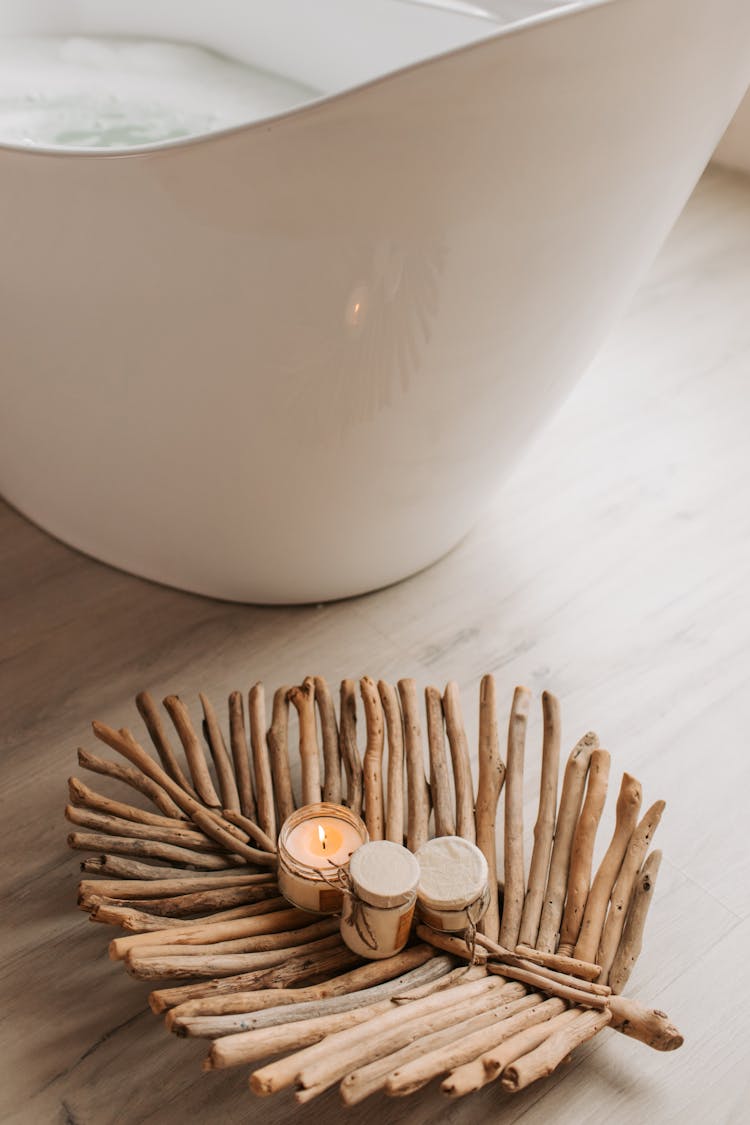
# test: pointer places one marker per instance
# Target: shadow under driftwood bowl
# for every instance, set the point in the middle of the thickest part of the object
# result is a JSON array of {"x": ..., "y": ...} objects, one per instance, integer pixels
[{"x": 291, "y": 361}]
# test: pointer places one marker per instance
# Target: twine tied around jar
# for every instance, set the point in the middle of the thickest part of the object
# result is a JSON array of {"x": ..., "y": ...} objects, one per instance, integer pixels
[
  {"x": 342, "y": 881},
  {"x": 474, "y": 912}
]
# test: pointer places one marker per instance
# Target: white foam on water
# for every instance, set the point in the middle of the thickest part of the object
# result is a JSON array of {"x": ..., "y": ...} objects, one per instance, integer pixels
[{"x": 112, "y": 93}]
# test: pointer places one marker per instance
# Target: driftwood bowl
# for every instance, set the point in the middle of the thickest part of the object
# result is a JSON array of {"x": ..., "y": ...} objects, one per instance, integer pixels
[{"x": 192, "y": 882}]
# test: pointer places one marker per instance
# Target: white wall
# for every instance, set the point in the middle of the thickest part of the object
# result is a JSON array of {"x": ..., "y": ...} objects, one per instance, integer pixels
[{"x": 734, "y": 147}]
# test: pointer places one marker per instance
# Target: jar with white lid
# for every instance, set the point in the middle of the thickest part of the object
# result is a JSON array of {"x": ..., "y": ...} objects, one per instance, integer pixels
[
  {"x": 453, "y": 892},
  {"x": 379, "y": 905}
]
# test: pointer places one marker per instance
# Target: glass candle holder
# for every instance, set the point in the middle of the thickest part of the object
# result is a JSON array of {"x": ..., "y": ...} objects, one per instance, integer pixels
[{"x": 315, "y": 844}]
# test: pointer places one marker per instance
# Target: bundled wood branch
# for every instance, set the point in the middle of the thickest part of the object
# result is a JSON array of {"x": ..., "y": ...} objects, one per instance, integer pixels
[
  {"x": 196, "y": 759},
  {"x": 230, "y": 798},
  {"x": 514, "y": 868},
  {"x": 459, "y": 749},
  {"x": 241, "y": 755},
  {"x": 348, "y": 746},
  {"x": 579, "y": 873},
  {"x": 372, "y": 764},
  {"x": 629, "y": 949},
  {"x": 149, "y": 712},
  {"x": 277, "y": 741},
  {"x": 330, "y": 736},
  {"x": 418, "y": 796},
  {"x": 442, "y": 801},
  {"x": 544, "y": 829},
  {"x": 303, "y": 700},
  {"x": 394, "y": 818},
  {"x": 567, "y": 818},
  {"x": 261, "y": 761}
]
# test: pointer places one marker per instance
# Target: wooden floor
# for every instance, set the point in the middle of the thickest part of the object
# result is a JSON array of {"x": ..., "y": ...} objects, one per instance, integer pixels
[{"x": 613, "y": 569}]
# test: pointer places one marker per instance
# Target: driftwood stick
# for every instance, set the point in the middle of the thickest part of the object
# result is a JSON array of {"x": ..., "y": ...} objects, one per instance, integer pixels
[
  {"x": 196, "y": 758},
  {"x": 251, "y": 829},
  {"x": 544, "y": 829},
  {"x": 418, "y": 957},
  {"x": 515, "y": 879},
  {"x": 185, "y": 905},
  {"x": 81, "y": 795},
  {"x": 459, "y": 749},
  {"x": 648, "y": 1025},
  {"x": 138, "y": 922},
  {"x": 201, "y": 931},
  {"x": 175, "y": 833},
  {"x": 272, "y": 1029},
  {"x": 309, "y": 1022},
  {"x": 551, "y": 1052},
  {"x": 631, "y": 941},
  {"x": 450, "y": 943},
  {"x": 386, "y": 1039},
  {"x": 148, "y": 711},
  {"x": 263, "y": 1007},
  {"x": 586, "y": 970},
  {"x": 261, "y": 761},
  {"x": 135, "y": 921},
  {"x": 394, "y": 808},
  {"x": 507, "y": 957},
  {"x": 442, "y": 800},
  {"x": 241, "y": 755},
  {"x": 348, "y": 746},
  {"x": 209, "y": 820},
  {"x": 372, "y": 764},
  {"x": 163, "y": 888},
  {"x": 151, "y": 967},
  {"x": 567, "y": 818},
  {"x": 491, "y": 781},
  {"x": 504, "y": 1042},
  {"x": 582, "y": 852},
  {"x": 277, "y": 741},
  {"x": 230, "y": 798},
  {"x": 486, "y": 1067},
  {"x": 134, "y": 778},
  {"x": 418, "y": 797},
  {"x": 330, "y": 738},
  {"x": 626, "y": 818},
  {"x": 149, "y": 849},
  {"x": 413, "y": 1066},
  {"x": 548, "y": 985},
  {"x": 261, "y": 1027},
  {"x": 337, "y": 1054},
  {"x": 303, "y": 699},
  {"x": 294, "y": 970},
  {"x": 622, "y": 890},
  {"x": 124, "y": 868}
]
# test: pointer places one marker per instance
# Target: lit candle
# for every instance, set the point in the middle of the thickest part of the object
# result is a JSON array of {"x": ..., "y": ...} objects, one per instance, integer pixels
[{"x": 314, "y": 844}]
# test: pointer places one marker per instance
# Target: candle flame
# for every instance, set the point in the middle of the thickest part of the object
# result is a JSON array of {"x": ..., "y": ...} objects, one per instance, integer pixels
[{"x": 322, "y": 835}]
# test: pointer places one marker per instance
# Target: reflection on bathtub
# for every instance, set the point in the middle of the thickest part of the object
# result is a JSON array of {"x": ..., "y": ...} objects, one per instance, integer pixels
[
  {"x": 376, "y": 336},
  {"x": 122, "y": 93}
]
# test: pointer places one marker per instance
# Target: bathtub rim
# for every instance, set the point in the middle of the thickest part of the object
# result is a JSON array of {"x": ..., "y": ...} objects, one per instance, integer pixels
[{"x": 571, "y": 9}]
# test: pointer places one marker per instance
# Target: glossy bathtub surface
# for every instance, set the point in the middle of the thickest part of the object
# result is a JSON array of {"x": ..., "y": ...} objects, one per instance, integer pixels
[{"x": 293, "y": 361}]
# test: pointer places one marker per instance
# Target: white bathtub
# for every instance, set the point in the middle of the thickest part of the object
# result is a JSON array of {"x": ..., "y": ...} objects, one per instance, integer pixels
[{"x": 294, "y": 360}]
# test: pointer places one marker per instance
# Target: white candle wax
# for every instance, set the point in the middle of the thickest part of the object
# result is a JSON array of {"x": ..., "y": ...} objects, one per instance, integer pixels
[{"x": 323, "y": 841}]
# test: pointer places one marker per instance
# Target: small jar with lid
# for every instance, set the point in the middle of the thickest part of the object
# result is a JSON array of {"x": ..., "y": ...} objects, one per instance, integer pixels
[
  {"x": 378, "y": 907},
  {"x": 453, "y": 892}
]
